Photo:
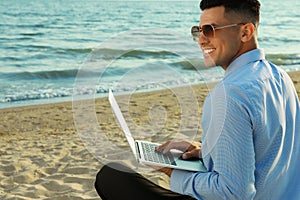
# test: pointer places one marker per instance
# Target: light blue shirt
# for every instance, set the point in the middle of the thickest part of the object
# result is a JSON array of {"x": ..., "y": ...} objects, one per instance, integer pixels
[{"x": 251, "y": 136}]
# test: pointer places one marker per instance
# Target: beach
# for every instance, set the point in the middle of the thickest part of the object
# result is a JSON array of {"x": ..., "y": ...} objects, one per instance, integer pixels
[
  {"x": 50, "y": 48},
  {"x": 43, "y": 156}
]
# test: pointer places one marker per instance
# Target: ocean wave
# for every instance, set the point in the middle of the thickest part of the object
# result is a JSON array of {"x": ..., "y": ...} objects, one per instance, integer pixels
[
  {"x": 107, "y": 53},
  {"x": 193, "y": 64},
  {"x": 72, "y": 50},
  {"x": 190, "y": 65},
  {"x": 278, "y": 59},
  {"x": 87, "y": 91},
  {"x": 25, "y": 75},
  {"x": 282, "y": 40},
  {"x": 63, "y": 74},
  {"x": 32, "y": 34},
  {"x": 284, "y": 59},
  {"x": 36, "y": 95}
]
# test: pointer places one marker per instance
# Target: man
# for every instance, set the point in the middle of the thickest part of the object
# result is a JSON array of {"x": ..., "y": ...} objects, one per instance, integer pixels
[{"x": 251, "y": 122}]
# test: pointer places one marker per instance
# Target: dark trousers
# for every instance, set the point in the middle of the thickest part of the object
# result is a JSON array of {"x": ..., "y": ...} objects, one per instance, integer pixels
[{"x": 118, "y": 182}]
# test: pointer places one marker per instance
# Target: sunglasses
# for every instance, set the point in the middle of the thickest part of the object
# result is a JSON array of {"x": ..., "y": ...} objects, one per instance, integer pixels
[{"x": 208, "y": 30}]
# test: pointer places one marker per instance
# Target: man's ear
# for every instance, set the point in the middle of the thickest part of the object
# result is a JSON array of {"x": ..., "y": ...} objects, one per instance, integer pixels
[{"x": 248, "y": 31}]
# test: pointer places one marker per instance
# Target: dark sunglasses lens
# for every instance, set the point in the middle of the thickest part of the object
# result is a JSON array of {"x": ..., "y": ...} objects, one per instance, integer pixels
[
  {"x": 208, "y": 30},
  {"x": 195, "y": 33}
]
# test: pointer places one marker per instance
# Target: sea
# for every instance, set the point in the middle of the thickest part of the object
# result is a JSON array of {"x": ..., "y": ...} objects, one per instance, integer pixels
[{"x": 58, "y": 50}]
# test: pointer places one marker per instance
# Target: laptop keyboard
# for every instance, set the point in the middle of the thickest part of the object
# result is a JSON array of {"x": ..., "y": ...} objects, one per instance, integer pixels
[{"x": 151, "y": 155}]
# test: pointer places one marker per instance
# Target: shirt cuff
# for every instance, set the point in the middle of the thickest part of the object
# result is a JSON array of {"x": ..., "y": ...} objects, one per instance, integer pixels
[{"x": 177, "y": 180}]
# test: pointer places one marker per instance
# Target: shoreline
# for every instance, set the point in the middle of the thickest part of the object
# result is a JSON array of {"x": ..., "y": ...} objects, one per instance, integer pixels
[
  {"x": 68, "y": 99},
  {"x": 43, "y": 156}
]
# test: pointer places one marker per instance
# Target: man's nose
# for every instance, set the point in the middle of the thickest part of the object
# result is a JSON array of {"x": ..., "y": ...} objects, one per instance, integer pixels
[{"x": 202, "y": 40}]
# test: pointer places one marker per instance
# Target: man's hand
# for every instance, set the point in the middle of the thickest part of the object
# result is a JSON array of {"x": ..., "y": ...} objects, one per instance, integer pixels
[{"x": 190, "y": 149}]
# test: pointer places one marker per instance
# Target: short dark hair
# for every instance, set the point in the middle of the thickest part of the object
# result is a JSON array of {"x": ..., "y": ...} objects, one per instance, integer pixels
[{"x": 249, "y": 9}]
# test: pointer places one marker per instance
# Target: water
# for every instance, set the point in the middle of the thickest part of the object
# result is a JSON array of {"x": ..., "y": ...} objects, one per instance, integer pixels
[{"x": 126, "y": 45}]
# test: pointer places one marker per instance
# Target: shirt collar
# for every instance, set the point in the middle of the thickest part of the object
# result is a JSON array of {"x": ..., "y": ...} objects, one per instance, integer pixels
[{"x": 244, "y": 59}]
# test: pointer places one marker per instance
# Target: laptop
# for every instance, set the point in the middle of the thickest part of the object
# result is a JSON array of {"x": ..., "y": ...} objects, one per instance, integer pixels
[{"x": 144, "y": 151}]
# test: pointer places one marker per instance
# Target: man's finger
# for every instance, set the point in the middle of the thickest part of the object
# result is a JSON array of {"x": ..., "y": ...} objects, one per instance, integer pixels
[
  {"x": 192, "y": 154},
  {"x": 186, "y": 155},
  {"x": 161, "y": 147},
  {"x": 182, "y": 146}
]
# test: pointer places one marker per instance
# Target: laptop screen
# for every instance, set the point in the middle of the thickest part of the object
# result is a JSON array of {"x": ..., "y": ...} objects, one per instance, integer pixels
[{"x": 122, "y": 121}]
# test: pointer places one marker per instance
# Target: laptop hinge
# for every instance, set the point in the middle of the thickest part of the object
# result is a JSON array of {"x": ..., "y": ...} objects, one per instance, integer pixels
[{"x": 138, "y": 149}]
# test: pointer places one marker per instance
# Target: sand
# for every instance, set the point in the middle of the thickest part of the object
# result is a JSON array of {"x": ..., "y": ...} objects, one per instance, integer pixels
[{"x": 42, "y": 155}]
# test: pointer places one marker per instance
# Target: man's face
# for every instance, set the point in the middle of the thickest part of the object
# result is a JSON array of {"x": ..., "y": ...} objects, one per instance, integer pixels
[{"x": 225, "y": 46}]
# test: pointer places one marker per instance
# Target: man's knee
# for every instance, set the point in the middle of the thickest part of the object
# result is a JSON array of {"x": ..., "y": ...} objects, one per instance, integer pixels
[{"x": 107, "y": 177}]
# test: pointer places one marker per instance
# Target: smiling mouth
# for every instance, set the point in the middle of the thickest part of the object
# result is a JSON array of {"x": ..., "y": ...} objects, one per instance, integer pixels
[{"x": 208, "y": 51}]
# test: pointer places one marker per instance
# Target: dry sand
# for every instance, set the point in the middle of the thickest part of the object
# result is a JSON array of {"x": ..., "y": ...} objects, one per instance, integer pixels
[{"x": 43, "y": 157}]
